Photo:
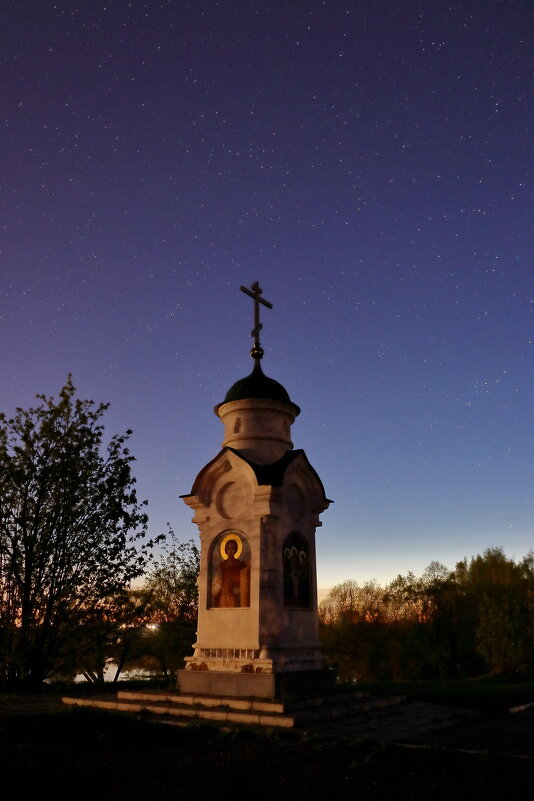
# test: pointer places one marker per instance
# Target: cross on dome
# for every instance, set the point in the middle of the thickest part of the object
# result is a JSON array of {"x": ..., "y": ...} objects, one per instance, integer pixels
[{"x": 255, "y": 293}]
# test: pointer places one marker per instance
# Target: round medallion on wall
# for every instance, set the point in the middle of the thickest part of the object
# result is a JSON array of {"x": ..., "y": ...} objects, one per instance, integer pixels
[{"x": 230, "y": 500}]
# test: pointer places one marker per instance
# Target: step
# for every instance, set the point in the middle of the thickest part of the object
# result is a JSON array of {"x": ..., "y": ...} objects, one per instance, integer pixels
[
  {"x": 242, "y": 704},
  {"x": 236, "y": 710},
  {"x": 187, "y": 711},
  {"x": 210, "y": 701}
]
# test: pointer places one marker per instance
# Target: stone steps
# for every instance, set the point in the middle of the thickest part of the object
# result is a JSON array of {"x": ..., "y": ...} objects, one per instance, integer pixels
[{"x": 174, "y": 707}]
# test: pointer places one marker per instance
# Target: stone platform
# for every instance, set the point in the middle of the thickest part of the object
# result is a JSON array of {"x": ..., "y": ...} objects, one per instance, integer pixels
[{"x": 177, "y": 707}]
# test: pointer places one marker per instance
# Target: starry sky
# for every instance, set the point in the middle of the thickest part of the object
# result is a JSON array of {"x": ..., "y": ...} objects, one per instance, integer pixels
[{"x": 369, "y": 162}]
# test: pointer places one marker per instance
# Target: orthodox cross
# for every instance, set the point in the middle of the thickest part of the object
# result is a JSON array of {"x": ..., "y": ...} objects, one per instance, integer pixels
[{"x": 255, "y": 293}]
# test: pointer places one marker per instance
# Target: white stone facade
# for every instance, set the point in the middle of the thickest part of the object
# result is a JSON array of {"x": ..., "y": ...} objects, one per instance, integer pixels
[{"x": 257, "y": 506}]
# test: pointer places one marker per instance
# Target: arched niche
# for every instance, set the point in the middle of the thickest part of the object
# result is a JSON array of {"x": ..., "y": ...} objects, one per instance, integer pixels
[{"x": 296, "y": 566}]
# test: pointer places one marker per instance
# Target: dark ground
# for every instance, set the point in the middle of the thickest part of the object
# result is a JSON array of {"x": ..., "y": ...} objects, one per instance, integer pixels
[{"x": 46, "y": 749}]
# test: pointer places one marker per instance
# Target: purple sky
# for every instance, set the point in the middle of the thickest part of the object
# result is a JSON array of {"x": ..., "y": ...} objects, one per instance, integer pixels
[{"x": 369, "y": 162}]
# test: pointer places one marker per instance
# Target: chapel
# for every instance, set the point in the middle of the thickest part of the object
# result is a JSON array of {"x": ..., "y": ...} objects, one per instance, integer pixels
[{"x": 257, "y": 505}]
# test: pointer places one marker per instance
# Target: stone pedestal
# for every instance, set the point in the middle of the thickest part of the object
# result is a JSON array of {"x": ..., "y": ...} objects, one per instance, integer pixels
[{"x": 269, "y": 686}]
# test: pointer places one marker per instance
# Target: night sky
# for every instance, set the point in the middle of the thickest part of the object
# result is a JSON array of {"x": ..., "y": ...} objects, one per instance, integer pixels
[{"x": 369, "y": 162}]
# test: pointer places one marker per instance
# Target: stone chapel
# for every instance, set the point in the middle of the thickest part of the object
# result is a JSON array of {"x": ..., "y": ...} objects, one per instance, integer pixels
[{"x": 257, "y": 507}]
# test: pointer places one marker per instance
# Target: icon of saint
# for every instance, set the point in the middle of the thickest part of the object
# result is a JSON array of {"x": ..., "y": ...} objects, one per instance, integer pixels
[{"x": 231, "y": 585}]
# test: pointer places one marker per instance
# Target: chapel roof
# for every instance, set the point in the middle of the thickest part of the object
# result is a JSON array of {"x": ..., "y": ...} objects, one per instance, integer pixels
[
  {"x": 266, "y": 474},
  {"x": 258, "y": 385}
]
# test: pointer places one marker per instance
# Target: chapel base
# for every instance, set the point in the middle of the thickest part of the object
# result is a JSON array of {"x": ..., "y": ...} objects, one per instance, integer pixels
[{"x": 280, "y": 686}]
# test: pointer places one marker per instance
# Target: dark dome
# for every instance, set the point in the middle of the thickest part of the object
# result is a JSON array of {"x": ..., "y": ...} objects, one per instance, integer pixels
[{"x": 257, "y": 385}]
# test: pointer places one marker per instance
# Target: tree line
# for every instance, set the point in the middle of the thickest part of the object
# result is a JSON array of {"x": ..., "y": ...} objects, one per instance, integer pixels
[
  {"x": 73, "y": 542},
  {"x": 475, "y": 619}
]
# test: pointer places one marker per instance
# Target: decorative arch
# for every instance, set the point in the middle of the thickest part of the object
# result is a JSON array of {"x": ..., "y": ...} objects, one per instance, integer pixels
[
  {"x": 229, "y": 571},
  {"x": 297, "y": 581}
]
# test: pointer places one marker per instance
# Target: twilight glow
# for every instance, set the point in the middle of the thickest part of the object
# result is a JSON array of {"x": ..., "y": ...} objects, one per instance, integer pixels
[{"x": 370, "y": 164}]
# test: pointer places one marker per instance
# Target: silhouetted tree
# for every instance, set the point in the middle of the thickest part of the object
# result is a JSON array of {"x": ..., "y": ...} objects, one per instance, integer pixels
[
  {"x": 498, "y": 601},
  {"x": 72, "y": 533},
  {"x": 111, "y": 638}
]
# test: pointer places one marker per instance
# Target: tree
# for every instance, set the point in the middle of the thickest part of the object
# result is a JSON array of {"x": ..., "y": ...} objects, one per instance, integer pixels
[
  {"x": 499, "y": 591},
  {"x": 352, "y": 624},
  {"x": 500, "y": 634},
  {"x": 112, "y": 638},
  {"x": 172, "y": 581},
  {"x": 171, "y": 586},
  {"x": 72, "y": 533}
]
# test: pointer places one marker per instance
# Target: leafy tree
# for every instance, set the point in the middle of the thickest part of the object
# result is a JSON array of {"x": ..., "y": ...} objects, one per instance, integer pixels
[
  {"x": 352, "y": 629},
  {"x": 498, "y": 591},
  {"x": 341, "y": 603},
  {"x": 172, "y": 581},
  {"x": 112, "y": 638},
  {"x": 171, "y": 587},
  {"x": 499, "y": 634},
  {"x": 491, "y": 573},
  {"x": 132, "y": 617},
  {"x": 72, "y": 533}
]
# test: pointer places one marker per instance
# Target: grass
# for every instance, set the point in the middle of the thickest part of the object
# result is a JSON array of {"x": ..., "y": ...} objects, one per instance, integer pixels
[
  {"x": 491, "y": 694},
  {"x": 88, "y": 754},
  {"x": 85, "y": 753}
]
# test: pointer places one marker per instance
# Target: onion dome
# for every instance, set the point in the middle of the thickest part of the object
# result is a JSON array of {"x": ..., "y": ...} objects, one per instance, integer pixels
[{"x": 257, "y": 385}]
